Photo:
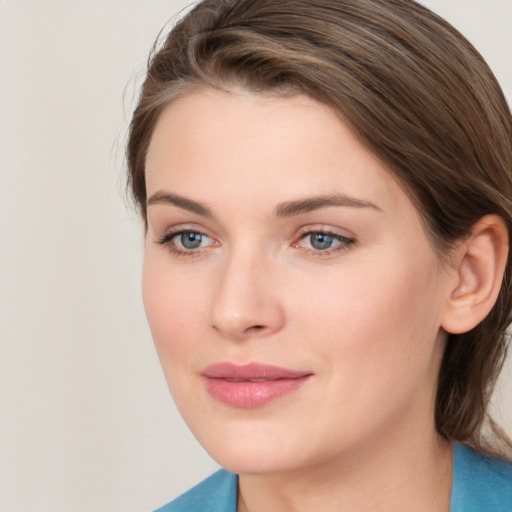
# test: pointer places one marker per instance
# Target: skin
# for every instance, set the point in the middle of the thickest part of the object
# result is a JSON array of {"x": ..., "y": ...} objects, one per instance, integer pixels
[{"x": 364, "y": 317}]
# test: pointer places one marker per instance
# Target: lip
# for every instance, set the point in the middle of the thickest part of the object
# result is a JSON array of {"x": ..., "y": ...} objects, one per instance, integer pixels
[{"x": 251, "y": 385}]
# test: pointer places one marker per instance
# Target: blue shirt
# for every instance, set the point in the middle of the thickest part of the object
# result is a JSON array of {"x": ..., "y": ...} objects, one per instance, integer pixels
[{"x": 480, "y": 484}]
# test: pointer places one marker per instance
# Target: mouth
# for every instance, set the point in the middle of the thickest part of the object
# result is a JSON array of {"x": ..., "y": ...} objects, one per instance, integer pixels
[{"x": 252, "y": 385}]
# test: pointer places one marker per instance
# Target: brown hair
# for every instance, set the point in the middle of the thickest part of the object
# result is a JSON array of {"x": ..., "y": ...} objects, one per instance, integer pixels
[{"x": 416, "y": 92}]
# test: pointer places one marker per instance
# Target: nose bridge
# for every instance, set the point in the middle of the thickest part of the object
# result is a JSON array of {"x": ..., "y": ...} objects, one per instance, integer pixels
[{"x": 246, "y": 302}]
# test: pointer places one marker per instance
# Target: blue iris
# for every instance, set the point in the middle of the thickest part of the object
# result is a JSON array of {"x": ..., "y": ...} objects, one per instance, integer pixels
[
  {"x": 191, "y": 240},
  {"x": 321, "y": 241}
]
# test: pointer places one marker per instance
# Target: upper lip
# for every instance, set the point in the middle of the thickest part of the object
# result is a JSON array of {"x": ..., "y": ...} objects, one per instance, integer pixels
[{"x": 251, "y": 372}]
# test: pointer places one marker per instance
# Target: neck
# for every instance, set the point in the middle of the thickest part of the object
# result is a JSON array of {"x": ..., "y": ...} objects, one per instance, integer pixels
[{"x": 399, "y": 476}]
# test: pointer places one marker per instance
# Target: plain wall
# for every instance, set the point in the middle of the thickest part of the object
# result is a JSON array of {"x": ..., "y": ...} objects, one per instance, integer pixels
[{"x": 86, "y": 421}]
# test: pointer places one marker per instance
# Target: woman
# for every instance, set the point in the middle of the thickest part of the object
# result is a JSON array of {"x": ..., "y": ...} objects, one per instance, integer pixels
[{"x": 326, "y": 188}]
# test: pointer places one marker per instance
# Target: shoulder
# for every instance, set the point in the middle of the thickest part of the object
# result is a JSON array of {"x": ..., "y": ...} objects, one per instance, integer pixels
[
  {"x": 218, "y": 493},
  {"x": 480, "y": 482}
]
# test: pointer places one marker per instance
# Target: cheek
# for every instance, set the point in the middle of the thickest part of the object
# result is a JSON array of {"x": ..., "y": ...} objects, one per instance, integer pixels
[
  {"x": 376, "y": 337},
  {"x": 173, "y": 308},
  {"x": 373, "y": 325},
  {"x": 177, "y": 310}
]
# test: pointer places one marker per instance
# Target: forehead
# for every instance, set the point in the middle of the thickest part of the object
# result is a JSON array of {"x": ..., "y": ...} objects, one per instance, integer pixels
[{"x": 264, "y": 148}]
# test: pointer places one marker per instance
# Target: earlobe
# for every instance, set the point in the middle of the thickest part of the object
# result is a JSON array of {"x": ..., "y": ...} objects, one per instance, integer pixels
[{"x": 480, "y": 262}]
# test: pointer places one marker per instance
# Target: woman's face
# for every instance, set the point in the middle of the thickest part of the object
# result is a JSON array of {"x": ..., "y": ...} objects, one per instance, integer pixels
[{"x": 294, "y": 299}]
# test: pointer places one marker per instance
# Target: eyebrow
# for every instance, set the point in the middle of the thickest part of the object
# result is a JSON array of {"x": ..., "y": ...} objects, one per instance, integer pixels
[
  {"x": 287, "y": 209},
  {"x": 162, "y": 197},
  {"x": 310, "y": 204}
]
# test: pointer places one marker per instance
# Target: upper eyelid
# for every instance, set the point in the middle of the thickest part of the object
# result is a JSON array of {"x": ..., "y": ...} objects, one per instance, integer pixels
[
  {"x": 184, "y": 228},
  {"x": 337, "y": 236},
  {"x": 324, "y": 232},
  {"x": 329, "y": 230},
  {"x": 169, "y": 234}
]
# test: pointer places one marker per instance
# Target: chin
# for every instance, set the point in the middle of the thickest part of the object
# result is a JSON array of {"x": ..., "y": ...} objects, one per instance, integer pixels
[
  {"x": 256, "y": 462},
  {"x": 256, "y": 450}
]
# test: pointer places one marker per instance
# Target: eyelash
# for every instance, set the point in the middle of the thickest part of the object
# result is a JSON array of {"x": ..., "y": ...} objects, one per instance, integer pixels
[
  {"x": 345, "y": 243},
  {"x": 167, "y": 241}
]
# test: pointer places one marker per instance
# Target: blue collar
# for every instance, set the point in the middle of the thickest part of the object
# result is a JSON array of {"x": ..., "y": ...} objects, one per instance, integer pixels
[{"x": 480, "y": 483}]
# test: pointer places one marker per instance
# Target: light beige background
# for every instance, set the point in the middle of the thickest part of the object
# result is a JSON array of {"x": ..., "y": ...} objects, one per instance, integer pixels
[{"x": 86, "y": 423}]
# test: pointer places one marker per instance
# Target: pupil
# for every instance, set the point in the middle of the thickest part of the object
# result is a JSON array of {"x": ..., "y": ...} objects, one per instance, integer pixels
[
  {"x": 321, "y": 241},
  {"x": 191, "y": 240}
]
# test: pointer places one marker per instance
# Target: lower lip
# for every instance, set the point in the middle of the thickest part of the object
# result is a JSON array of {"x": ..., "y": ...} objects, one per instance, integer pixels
[{"x": 249, "y": 395}]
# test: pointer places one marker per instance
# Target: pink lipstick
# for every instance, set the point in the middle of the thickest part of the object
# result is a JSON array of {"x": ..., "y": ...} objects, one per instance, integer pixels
[{"x": 251, "y": 385}]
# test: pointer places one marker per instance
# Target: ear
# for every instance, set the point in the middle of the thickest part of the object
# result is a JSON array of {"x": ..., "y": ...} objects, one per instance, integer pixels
[{"x": 480, "y": 262}]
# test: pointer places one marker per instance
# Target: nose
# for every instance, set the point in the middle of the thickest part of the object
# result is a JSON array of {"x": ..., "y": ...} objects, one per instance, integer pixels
[{"x": 246, "y": 303}]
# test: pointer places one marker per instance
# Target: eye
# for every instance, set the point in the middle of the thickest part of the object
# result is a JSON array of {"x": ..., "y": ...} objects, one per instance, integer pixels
[
  {"x": 186, "y": 242},
  {"x": 323, "y": 242}
]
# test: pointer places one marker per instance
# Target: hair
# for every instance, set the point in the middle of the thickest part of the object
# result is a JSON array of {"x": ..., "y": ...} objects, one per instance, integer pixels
[{"x": 414, "y": 90}]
